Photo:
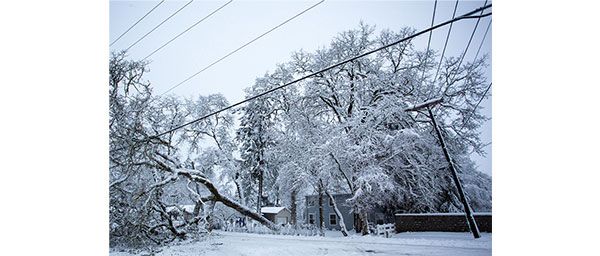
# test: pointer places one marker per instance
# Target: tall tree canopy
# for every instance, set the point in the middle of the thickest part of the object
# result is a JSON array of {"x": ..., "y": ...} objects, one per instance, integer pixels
[{"x": 342, "y": 131}]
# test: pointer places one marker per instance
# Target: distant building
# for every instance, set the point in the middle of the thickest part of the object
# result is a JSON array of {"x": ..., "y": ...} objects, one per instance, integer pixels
[
  {"x": 331, "y": 220},
  {"x": 277, "y": 215}
]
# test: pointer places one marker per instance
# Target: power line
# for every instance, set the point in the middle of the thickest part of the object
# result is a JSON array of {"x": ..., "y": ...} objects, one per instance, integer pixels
[
  {"x": 462, "y": 56},
  {"x": 470, "y": 38},
  {"x": 446, "y": 43},
  {"x": 188, "y": 29},
  {"x": 482, "y": 40},
  {"x": 464, "y": 16},
  {"x": 159, "y": 25},
  {"x": 429, "y": 40},
  {"x": 477, "y": 105},
  {"x": 241, "y": 47},
  {"x": 151, "y": 10}
]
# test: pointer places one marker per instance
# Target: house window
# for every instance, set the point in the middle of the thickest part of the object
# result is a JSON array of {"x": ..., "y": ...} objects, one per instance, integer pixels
[
  {"x": 311, "y": 218},
  {"x": 311, "y": 202},
  {"x": 332, "y": 219}
]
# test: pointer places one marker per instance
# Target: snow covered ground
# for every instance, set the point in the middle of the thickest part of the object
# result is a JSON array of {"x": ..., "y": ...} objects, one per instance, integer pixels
[{"x": 420, "y": 243}]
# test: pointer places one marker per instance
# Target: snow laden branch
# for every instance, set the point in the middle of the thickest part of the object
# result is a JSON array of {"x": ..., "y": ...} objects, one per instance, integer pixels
[
  {"x": 424, "y": 104},
  {"x": 196, "y": 176},
  {"x": 338, "y": 213}
]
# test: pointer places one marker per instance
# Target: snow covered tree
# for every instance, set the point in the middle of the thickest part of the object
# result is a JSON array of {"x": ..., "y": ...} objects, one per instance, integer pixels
[
  {"x": 257, "y": 135},
  {"x": 147, "y": 177},
  {"x": 348, "y": 128},
  {"x": 342, "y": 131}
]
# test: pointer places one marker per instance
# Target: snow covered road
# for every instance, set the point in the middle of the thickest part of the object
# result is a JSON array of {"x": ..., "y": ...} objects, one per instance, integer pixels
[{"x": 426, "y": 243}]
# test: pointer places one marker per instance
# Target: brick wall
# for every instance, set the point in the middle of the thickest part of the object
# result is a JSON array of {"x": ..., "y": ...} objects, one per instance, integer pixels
[{"x": 446, "y": 222}]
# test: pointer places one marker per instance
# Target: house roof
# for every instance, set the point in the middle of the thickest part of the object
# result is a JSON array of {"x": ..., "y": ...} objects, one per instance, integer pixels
[{"x": 272, "y": 209}]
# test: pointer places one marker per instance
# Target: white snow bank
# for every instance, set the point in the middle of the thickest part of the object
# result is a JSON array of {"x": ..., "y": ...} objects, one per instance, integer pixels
[{"x": 417, "y": 243}]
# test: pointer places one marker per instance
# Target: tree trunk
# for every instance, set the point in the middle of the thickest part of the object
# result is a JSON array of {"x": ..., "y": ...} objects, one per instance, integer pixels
[
  {"x": 321, "y": 221},
  {"x": 209, "y": 211},
  {"x": 339, "y": 214},
  {"x": 196, "y": 176},
  {"x": 364, "y": 222},
  {"x": 231, "y": 203},
  {"x": 260, "y": 190},
  {"x": 293, "y": 207},
  {"x": 357, "y": 226},
  {"x": 238, "y": 187}
]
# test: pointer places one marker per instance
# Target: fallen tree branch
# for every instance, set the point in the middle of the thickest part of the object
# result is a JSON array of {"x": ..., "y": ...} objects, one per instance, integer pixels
[{"x": 196, "y": 176}]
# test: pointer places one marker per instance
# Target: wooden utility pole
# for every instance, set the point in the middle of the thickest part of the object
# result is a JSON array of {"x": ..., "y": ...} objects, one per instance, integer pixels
[{"x": 468, "y": 212}]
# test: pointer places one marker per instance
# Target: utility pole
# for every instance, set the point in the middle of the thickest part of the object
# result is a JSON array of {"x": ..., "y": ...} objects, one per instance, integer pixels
[{"x": 468, "y": 212}]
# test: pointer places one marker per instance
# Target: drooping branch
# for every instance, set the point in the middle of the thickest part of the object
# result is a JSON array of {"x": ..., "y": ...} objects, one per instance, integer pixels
[
  {"x": 339, "y": 214},
  {"x": 339, "y": 166},
  {"x": 198, "y": 177}
]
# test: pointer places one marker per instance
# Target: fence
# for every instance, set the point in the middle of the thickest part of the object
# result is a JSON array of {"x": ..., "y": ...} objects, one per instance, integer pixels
[
  {"x": 445, "y": 222},
  {"x": 385, "y": 229}
]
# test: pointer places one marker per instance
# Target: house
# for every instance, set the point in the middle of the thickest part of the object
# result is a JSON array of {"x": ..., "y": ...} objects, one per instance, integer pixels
[
  {"x": 277, "y": 215},
  {"x": 331, "y": 220}
]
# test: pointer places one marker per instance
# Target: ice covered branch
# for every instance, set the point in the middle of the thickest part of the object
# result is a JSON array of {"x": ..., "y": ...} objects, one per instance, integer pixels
[{"x": 196, "y": 176}]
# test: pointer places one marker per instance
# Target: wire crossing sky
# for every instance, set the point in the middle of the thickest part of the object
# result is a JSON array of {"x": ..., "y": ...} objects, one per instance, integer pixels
[
  {"x": 430, "y": 33},
  {"x": 188, "y": 29},
  {"x": 465, "y": 16},
  {"x": 151, "y": 10},
  {"x": 241, "y": 47},
  {"x": 462, "y": 56},
  {"x": 446, "y": 42},
  {"x": 157, "y": 26},
  {"x": 245, "y": 19}
]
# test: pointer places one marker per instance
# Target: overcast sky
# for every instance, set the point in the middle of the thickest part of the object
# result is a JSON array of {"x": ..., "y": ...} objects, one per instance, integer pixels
[{"x": 242, "y": 21}]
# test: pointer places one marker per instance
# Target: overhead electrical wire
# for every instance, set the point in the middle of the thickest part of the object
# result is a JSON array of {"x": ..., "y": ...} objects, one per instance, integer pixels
[
  {"x": 464, "y": 16},
  {"x": 134, "y": 24},
  {"x": 188, "y": 29},
  {"x": 446, "y": 43},
  {"x": 429, "y": 40},
  {"x": 483, "y": 40},
  {"x": 241, "y": 47},
  {"x": 477, "y": 105},
  {"x": 160, "y": 24},
  {"x": 462, "y": 57}
]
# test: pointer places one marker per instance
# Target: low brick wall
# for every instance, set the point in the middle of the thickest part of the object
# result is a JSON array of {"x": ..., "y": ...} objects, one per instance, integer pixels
[{"x": 445, "y": 222}]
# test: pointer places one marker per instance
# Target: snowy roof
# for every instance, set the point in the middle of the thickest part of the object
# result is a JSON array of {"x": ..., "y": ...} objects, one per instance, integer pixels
[
  {"x": 187, "y": 208},
  {"x": 271, "y": 209}
]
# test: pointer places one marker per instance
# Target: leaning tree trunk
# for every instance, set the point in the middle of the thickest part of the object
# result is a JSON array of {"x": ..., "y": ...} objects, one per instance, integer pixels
[
  {"x": 196, "y": 176},
  {"x": 339, "y": 214},
  {"x": 231, "y": 203}
]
